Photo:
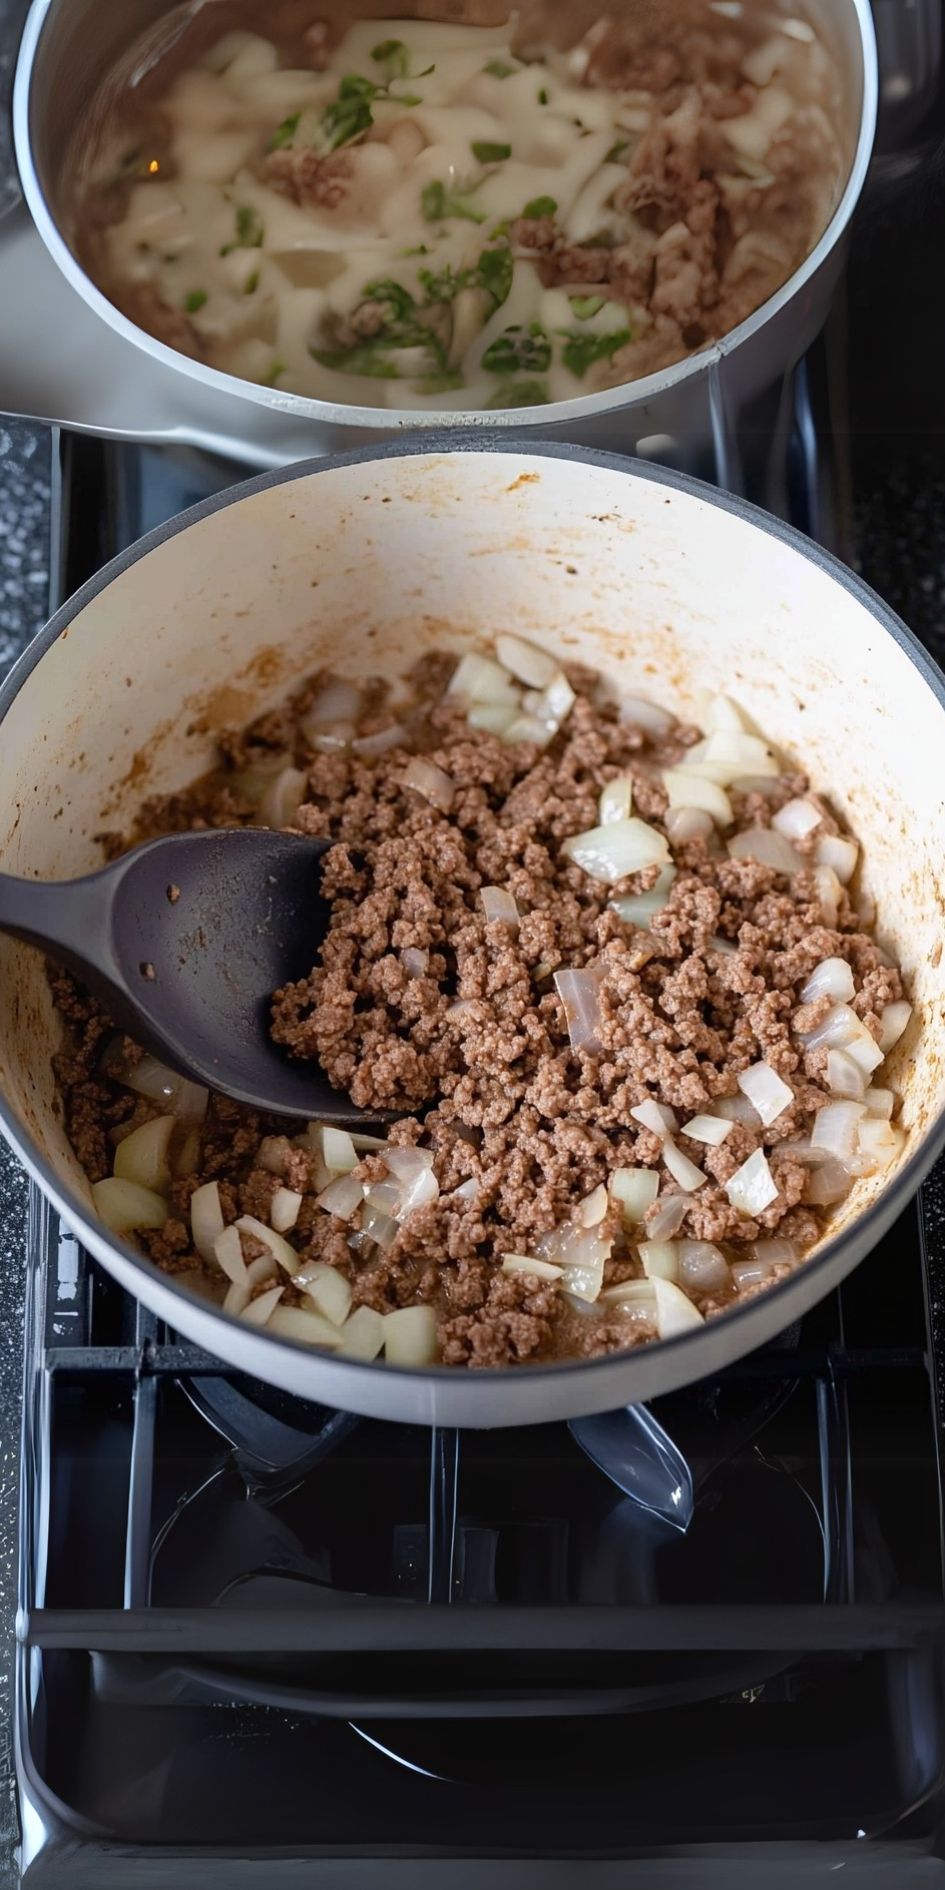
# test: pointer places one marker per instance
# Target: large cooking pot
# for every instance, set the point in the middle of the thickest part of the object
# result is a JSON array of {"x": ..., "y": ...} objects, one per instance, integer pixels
[
  {"x": 67, "y": 47},
  {"x": 214, "y": 617}
]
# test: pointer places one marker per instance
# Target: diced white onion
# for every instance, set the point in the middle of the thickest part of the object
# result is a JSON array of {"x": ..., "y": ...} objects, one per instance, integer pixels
[
  {"x": 674, "y": 1312},
  {"x": 880, "y": 1102},
  {"x": 154, "y": 1080},
  {"x": 528, "y": 728},
  {"x": 832, "y": 978},
  {"x": 668, "y": 1216},
  {"x": 285, "y": 793},
  {"x": 712, "y": 1130},
  {"x": 410, "y": 1336},
  {"x": 636, "y": 1189},
  {"x": 829, "y": 890},
  {"x": 341, "y": 1197},
  {"x": 494, "y": 718},
  {"x": 840, "y": 854},
  {"x": 830, "y": 1181},
  {"x": 866, "y": 1052},
  {"x": 260, "y": 1310},
  {"x": 277, "y": 1245},
  {"x": 526, "y": 1263},
  {"x": 427, "y": 779},
  {"x": 640, "y": 909},
  {"x": 879, "y": 1141},
  {"x": 579, "y": 992},
  {"x": 776, "y": 1252},
  {"x": 284, "y": 1209},
  {"x": 659, "y": 1259},
  {"x": 835, "y": 1129},
  {"x": 683, "y": 1171},
  {"x": 656, "y": 1116},
  {"x": 687, "y": 823},
  {"x": 236, "y": 1298},
  {"x": 720, "y": 712},
  {"x": 624, "y": 846},
  {"x": 768, "y": 1094},
  {"x": 646, "y": 715},
  {"x": 688, "y": 789},
  {"x": 737, "y": 1109},
  {"x": 844, "y": 1075},
  {"x": 768, "y": 848},
  {"x": 383, "y": 739},
  {"x": 742, "y": 753},
  {"x": 592, "y": 1209},
  {"x": 228, "y": 1254},
  {"x": 752, "y": 1188},
  {"x": 554, "y": 703},
  {"x": 378, "y": 1226},
  {"x": 386, "y": 1195},
  {"x": 525, "y": 661},
  {"x": 703, "y": 1267},
  {"x": 467, "y": 1190},
  {"x": 271, "y": 1154},
  {"x": 418, "y": 1192},
  {"x": 616, "y": 801},
  {"x": 796, "y": 819},
  {"x": 406, "y": 1162},
  {"x": 840, "y": 1027},
  {"x": 893, "y": 1022},
  {"x": 124, "y": 1205},
  {"x": 328, "y": 1290},
  {"x": 338, "y": 1150},
  {"x": 479, "y": 679},
  {"x": 362, "y": 1335},
  {"x": 294, "y": 1322},
  {"x": 416, "y": 963},
  {"x": 339, "y": 701},
  {"x": 206, "y": 1219},
  {"x": 143, "y": 1155},
  {"x": 498, "y": 904}
]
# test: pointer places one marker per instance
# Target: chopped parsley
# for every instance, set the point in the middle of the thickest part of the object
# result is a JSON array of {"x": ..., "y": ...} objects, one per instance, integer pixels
[
  {"x": 395, "y": 297},
  {"x": 581, "y": 351},
  {"x": 495, "y": 269},
  {"x": 402, "y": 327},
  {"x": 519, "y": 394},
  {"x": 616, "y": 151},
  {"x": 439, "y": 201},
  {"x": 270, "y": 378},
  {"x": 366, "y": 357},
  {"x": 518, "y": 350},
  {"x": 249, "y": 230},
  {"x": 252, "y": 283},
  {"x": 487, "y": 153},
  {"x": 543, "y": 96},
  {"x": 285, "y": 132},
  {"x": 499, "y": 69},
  {"x": 392, "y": 56},
  {"x": 585, "y": 306},
  {"x": 540, "y": 207},
  {"x": 492, "y": 272},
  {"x": 445, "y": 383},
  {"x": 195, "y": 300}
]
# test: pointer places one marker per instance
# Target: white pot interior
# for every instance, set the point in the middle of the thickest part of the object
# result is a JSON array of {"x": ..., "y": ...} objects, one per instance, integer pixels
[{"x": 363, "y": 566}]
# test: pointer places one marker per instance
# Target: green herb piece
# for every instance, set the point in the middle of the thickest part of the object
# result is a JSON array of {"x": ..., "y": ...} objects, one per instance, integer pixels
[
  {"x": 519, "y": 394},
  {"x": 350, "y": 113},
  {"x": 392, "y": 55},
  {"x": 439, "y": 201},
  {"x": 285, "y": 132},
  {"x": 540, "y": 207},
  {"x": 495, "y": 270},
  {"x": 518, "y": 350},
  {"x": 501, "y": 229},
  {"x": 499, "y": 69},
  {"x": 585, "y": 306},
  {"x": 487, "y": 153},
  {"x": 616, "y": 151},
  {"x": 445, "y": 383},
  {"x": 249, "y": 231},
  {"x": 366, "y": 358},
  {"x": 398, "y": 299},
  {"x": 543, "y": 96},
  {"x": 252, "y": 283},
  {"x": 419, "y": 249},
  {"x": 195, "y": 300},
  {"x": 581, "y": 351},
  {"x": 270, "y": 378}
]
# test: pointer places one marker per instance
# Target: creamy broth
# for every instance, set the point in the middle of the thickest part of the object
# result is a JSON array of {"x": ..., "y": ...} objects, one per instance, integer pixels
[{"x": 422, "y": 215}]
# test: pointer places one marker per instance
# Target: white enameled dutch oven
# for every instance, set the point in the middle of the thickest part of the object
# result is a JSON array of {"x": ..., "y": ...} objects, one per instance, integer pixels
[{"x": 363, "y": 563}]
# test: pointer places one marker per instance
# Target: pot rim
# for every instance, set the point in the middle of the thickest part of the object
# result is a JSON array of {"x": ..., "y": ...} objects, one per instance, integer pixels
[
  {"x": 788, "y": 1294},
  {"x": 628, "y": 395}
]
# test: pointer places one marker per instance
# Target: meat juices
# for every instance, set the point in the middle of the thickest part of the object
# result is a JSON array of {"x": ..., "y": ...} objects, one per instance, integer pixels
[{"x": 424, "y": 1005}]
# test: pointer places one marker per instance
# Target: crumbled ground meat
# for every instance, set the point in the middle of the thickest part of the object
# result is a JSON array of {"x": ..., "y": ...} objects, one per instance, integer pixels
[{"x": 469, "y": 1043}]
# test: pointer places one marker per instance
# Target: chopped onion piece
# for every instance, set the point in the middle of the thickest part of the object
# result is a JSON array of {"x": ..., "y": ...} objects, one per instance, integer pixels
[
  {"x": 703, "y": 1267},
  {"x": 667, "y": 1216},
  {"x": 835, "y": 1127},
  {"x": 260, "y": 1310},
  {"x": 712, "y": 1130},
  {"x": 525, "y": 661},
  {"x": 228, "y": 1254},
  {"x": 498, "y": 904},
  {"x": 616, "y": 801},
  {"x": 776, "y": 1252},
  {"x": 206, "y": 1219},
  {"x": 328, "y": 1290},
  {"x": 796, "y": 819},
  {"x": 768, "y": 848},
  {"x": 280, "y": 1249},
  {"x": 687, "y": 823},
  {"x": 840, "y": 1027},
  {"x": 283, "y": 796},
  {"x": 720, "y": 712},
  {"x": 593, "y": 1209},
  {"x": 427, "y": 779},
  {"x": 479, "y": 679},
  {"x": 879, "y": 1141},
  {"x": 647, "y": 715},
  {"x": 553, "y": 704},
  {"x": 341, "y": 1197},
  {"x": 294, "y": 1322},
  {"x": 416, "y": 963},
  {"x": 419, "y": 1192},
  {"x": 655, "y": 1116},
  {"x": 526, "y": 1263},
  {"x": 284, "y": 1209},
  {"x": 624, "y": 846},
  {"x": 840, "y": 854},
  {"x": 362, "y": 1335},
  {"x": 410, "y": 1336},
  {"x": 124, "y": 1205},
  {"x": 467, "y": 1190},
  {"x": 636, "y": 1190},
  {"x": 640, "y": 908},
  {"x": 379, "y": 1227},
  {"x": 528, "y": 728},
  {"x": 768, "y": 1094},
  {"x": 745, "y": 1273},
  {"x": 866, "y": 1052},
  {"x": 367, "y": 1142},
  {"x": 880, "y": 1102},
  {"x": 737, "y": 1109},
  {"x": 828, "y": 893},
  {"x": 154, "y": 1080},
  {"x": 338, "y": 701},
  {"x": 683, "y": 1171},
  {"x": 688, "y": 789},
  {"x": 338, "y": 1150},
  {"x": 844, "y": 1075},
  {"x": 893, "y": 1022},
  {"x": 832, "y": 978},
  {"x": 494, "y": 718},
  {"x": 262, "y": 1268},
  {"x": 272, "y": 1153},
  {"x": 142, "y": 1156},
  {"x": 579, "y": 992},
  {"x": 830, "y": 1181},
  {"x": 237, "y": 1297},
  {"x": 752, "y": 1188},
  {"x": 659, "y": 1259},
  {"x": 674, "y": 1312},
  {"x": 742, "y": 753},
  {"x": 386, "y": 1195},
  {"x": 406, "y": 1162},
  {"x": 383, "y": 739}
]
